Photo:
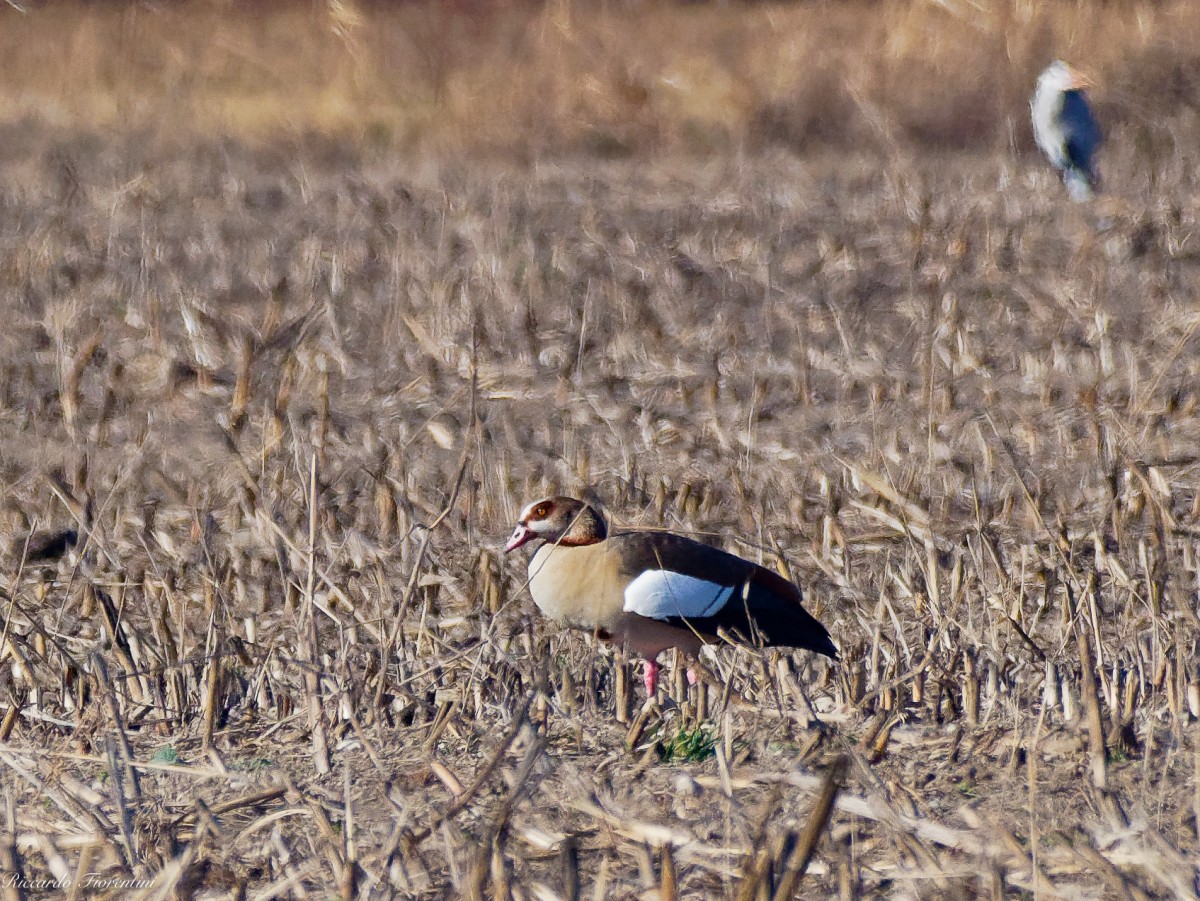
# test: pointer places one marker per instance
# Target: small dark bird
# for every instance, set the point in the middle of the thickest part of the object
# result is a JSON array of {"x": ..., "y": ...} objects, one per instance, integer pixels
[
  {"x": 652, "y": 590},
  {"x": 44, "y": 547}
]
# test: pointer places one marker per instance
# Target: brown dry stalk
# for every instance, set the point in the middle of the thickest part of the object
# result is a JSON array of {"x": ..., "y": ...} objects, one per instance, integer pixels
[
  {"x": 1120, "y": 883},
  {"x": 464, "y": 798},
  {"x": 309, "y": 651},
  {"x": 757, "y": 864},
  {"x": 1098, "y": 752},
  {"x": 124, "y": 818},
  {"x": 212, "y": 685},
  {"x": 410, "y": 587},
  {"x": 568, "y": 867},
  {"x": 11, "y": 885},
  {"x": 805, "y": 845}
]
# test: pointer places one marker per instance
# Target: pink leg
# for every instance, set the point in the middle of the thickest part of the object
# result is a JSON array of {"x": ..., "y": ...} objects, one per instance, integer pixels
[
  {"x": 650, "y": 676},
  {"x": 692, "y": 677}
]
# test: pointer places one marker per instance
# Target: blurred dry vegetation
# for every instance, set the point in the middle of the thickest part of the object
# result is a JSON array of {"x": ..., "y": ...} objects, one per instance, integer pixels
[
  {"x": 609, "y": 77},
  {"x": 302, "y": 303}
]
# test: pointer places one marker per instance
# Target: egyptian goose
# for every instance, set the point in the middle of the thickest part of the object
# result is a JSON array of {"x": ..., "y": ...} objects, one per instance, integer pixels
[
  {"x": 1064, "y": 127},
  {"x": 652, "y": 590}
]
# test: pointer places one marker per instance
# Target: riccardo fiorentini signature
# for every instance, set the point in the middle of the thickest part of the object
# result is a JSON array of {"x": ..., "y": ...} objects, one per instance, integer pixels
[{"x": 89, "y": 880}]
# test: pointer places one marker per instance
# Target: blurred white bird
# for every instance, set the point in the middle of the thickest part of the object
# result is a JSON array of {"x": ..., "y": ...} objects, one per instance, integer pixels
[{"x": 1064, "y": 127}]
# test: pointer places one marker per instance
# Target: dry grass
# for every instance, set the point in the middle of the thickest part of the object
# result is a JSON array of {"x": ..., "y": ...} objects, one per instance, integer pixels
[
  {"x": 560, "y": 77},
  {"x": 292, "y": 391}
]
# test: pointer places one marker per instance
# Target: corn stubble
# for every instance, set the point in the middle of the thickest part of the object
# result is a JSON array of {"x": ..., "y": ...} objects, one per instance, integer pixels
[{"x": 290, "y": 422}]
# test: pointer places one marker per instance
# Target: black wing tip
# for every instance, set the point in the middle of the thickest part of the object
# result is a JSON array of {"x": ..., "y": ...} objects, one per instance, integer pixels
[
  {"x": 815, "y": 639},
  {"x": 826, "y": 646},
  {"x": 806, "y": 634}
]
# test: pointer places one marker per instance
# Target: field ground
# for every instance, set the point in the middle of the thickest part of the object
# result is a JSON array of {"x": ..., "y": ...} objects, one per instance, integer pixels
[{"x": 961, "y": 413}]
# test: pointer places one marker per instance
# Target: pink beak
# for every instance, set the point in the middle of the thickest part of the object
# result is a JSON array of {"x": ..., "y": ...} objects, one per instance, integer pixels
[{"x": 520, "y": 535}]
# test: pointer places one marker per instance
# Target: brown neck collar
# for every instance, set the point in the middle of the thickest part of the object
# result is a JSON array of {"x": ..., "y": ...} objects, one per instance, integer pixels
[
  {"x": 578, "y": 540},
  {"x": 586, "y": 527}
]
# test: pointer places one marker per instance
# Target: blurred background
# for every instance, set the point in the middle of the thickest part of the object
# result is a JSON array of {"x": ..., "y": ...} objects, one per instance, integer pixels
[{"x": 603, "y": 78}]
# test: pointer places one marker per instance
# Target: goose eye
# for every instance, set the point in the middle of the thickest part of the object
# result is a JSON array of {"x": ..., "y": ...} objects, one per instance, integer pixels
[{"x": 540, "y": 511}]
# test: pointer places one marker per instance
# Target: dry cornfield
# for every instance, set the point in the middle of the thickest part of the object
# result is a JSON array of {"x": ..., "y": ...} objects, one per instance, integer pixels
[{"x": 289, "y": 393}]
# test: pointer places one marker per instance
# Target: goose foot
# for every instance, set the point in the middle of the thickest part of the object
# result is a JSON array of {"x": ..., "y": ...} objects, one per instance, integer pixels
[{"x": 650, "y": 677}]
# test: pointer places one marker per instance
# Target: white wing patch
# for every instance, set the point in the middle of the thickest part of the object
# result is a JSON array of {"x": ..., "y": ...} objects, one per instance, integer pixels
[{"x": 660, "y": 594}]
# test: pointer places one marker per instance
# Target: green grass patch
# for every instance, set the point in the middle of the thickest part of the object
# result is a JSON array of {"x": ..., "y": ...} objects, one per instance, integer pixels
[{"x": 688, "y": 744}]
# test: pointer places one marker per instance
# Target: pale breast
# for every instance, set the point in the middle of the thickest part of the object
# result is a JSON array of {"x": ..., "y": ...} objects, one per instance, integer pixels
[{"x": 579, "y": 586}]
